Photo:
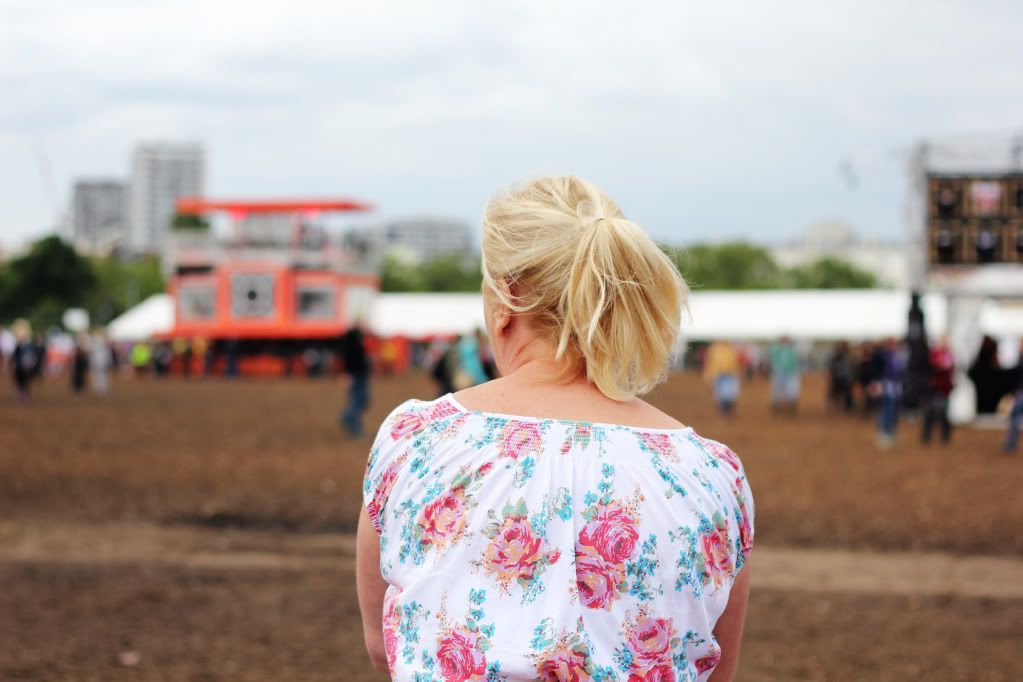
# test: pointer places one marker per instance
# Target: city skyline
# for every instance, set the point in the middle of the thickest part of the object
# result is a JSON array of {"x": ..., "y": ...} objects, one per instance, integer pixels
[
  {"x": 161, "y": 173},
  {"x": 703, "y": 123}
]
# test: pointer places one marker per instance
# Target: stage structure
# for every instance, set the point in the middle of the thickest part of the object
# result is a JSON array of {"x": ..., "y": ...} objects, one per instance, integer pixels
[
  {"x": 274, "y": 294},
  {"x": 968, "y": 209}
]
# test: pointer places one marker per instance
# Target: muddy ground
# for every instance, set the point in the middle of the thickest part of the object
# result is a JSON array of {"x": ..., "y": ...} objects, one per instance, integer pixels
[{"x": 250, "y": 465}]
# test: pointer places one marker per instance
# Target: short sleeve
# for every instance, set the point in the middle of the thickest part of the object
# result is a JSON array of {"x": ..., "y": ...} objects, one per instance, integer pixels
[
  {"x": 730, "y": 476},
  {"x": 384, "y": 464},
  {"x": 744, "y": 514}
]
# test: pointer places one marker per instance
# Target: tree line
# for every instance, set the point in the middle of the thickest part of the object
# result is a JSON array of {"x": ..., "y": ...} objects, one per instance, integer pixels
[
  {"x": 728, "y": 266},
  {"x": 51, "y": 276}
]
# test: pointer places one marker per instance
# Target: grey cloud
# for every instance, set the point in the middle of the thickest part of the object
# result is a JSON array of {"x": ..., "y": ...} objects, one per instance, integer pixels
[{"x": 713, "y": 117}]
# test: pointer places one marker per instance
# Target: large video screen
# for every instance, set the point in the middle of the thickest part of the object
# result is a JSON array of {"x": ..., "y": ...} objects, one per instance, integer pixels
[{"x": 974, "y": 219}]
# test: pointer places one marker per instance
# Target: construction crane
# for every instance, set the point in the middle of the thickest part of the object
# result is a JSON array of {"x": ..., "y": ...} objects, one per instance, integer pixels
[{"x": 49, "y": 186}]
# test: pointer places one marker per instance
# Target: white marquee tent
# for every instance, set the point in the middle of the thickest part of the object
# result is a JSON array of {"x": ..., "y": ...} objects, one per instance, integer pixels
[
  {"x": 155, "y": 315},
  {"x": 739, "y": 315},
  {"x": 810, "y": 315}
]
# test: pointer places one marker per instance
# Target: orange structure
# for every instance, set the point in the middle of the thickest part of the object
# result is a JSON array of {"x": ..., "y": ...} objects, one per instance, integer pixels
[{"x": 275, "y": 292}]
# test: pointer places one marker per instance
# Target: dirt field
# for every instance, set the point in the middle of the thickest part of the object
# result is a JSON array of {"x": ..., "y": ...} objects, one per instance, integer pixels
[
  {"x": 197, "y": 531},
  {"x": 266, "y": 454}
]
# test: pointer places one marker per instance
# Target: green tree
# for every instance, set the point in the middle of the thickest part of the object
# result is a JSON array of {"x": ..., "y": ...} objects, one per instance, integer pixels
[
  {"x": 6, "y": 297},
  {"x": 53, "y": 277},
  {"x": 444, "y": 273},
  {"x": 831, "y": 273},
  {"x": 122, "y": 284},
  {"x": 451, "y": 273},
  {"x": 398, "y": 275},
  {"x": 189, "y": 221},
  {"x": 48, "y": 279},
  {"x": 739, "y": 265},
  {"x": 733, "y": 265}
]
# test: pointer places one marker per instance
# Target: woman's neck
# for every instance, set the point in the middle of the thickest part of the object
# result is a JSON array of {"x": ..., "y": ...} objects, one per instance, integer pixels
[{"x": 544, "y": 372}]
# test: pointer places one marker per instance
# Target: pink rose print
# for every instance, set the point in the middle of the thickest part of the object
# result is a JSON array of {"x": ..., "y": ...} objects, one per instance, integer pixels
[
  {"x": 442, "y": 410},
  {"x": 745, "y": 532},
  {"x": 519, "y": 439},
  {"x": 650, "y": 642},
  {"x": 380, "y": 495},
  {"x": 659, "y": 443},
  {"x": 405, "y": 424},
  {"x": 728, "y": 456},
  {"x": 721, "y": 451},
  {"x": 717, "y": 557},
  {"x": 596, "y": 580},
  {"x": 708, "y": 662},
  {"x": 660, "y": 673},
  {"x": 515, "y": 550},
  {"x": 443, "y": 518},
  {"x": 564, "y": 665},
  {"x": 460, "y": 658},
  {"x": 613, "y": 533},
  {"x": 391, "y": 647},
  {"x": 392, "y": 620}
]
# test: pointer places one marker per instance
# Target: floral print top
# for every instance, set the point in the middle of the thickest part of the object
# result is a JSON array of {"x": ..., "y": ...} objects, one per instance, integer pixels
[{"x": 519, "y": 548}]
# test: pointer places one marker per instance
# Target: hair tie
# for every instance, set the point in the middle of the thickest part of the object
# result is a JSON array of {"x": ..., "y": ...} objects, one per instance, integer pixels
[{"x": 588, "y": 210}]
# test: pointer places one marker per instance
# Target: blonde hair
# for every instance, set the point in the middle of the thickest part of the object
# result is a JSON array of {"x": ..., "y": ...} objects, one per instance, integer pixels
[{"x": 559, "y": 251}]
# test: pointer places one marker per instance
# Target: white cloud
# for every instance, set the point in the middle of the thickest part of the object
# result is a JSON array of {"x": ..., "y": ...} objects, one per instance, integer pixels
[{"x": 710, "y": 118}]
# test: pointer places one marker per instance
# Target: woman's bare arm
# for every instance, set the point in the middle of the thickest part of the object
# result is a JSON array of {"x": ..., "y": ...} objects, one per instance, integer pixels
[
  {"x": 728, "y": 630},
  {"x": 371, "y": 588}
]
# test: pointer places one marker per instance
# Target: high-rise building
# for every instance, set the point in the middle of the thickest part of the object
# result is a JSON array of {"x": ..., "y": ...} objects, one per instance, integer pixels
[
  {"x": 421, "y": 238},
  {"x": 98, "y": 214},
  {"x": 161, "y": 173}
]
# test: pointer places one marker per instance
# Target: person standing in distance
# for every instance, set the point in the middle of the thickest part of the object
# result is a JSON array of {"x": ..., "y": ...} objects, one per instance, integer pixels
[
  {"x": 357, "y": 366},
  {"x": 721, "y": 370},
  {"x": 24, "y": 359}
]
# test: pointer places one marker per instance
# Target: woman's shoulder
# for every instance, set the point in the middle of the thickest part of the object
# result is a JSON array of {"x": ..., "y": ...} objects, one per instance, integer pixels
[
  {"x": 412, "y": 415},
  {"x": 717, "y": 450},
  {"x": 567, "y": 404},
  {"x": 400, "y": 434}
]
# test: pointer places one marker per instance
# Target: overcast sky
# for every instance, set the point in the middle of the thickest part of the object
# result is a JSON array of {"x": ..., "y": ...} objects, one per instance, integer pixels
[{"x": 703, "y": 120}]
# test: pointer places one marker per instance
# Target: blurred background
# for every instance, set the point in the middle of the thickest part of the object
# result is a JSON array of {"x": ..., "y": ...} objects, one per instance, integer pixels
[{"x": 235, "y": 235}]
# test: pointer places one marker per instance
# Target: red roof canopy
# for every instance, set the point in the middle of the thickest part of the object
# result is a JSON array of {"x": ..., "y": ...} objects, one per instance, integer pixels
[{"x": 198, "y": 205}]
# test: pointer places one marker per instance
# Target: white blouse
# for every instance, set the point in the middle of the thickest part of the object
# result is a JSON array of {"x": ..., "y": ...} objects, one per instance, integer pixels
[{"x": 519, "y": 548}]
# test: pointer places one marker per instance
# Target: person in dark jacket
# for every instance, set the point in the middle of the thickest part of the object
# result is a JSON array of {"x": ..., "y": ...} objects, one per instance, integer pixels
[
  {"x": 990, "y": 380},
  {"x": 866, "y": 377},
  {"x": 79, "y": 364},
  {"x": 39, "y": 371},
  {"x": 840, "y": 378},
  {"x": 24, "y": 359},
  {"x": 442, "y": 359},
  {"x": 356, "y": 364}
]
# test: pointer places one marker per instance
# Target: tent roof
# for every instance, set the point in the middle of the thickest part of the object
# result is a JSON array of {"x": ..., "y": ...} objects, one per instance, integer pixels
[
  {"x": 807, "y": 314},
  {"x": 425, "y": 315},
  {"x": 155, "y": 315},
  {"x": 738, "y": 315}
]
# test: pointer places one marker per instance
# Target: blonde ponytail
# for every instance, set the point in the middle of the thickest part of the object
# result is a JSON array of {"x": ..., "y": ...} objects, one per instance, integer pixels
[{"x": 592, "y": 281}]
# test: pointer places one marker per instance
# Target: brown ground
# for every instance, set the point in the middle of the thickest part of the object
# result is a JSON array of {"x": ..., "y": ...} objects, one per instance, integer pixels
[
  {"x": 269, "y": 454},
  {"x": 219, "y": 476}
]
